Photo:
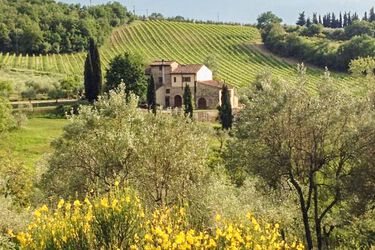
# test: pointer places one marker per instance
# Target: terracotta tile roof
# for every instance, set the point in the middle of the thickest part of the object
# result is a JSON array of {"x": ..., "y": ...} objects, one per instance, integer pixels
[
  {"x": 158, "y": 63},
  {"x": 188, "y": 69},
  {"x": 212, "y": 83}
]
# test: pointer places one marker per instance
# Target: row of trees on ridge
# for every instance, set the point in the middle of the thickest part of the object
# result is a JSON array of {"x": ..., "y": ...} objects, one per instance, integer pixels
[{"x": 331, "y": 20}]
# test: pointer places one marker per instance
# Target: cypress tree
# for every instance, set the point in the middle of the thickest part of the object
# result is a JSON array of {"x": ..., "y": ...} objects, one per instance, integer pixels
[
  {"x": 329, "y": 20},
  {"x": 92, "y": 73},
  {"x": 301, "y": 19},
  {"x": 325, "y": 18},
  {"x": 151, "y": 95},
  {"x": 225, "y": 110},
  {"x": 188, "y": 102},
  {"x": 315, "y": 18},
  {"x": 333, "y": 20},
  {"x": 372, "y": 15},
  {"x": 355, "y": 17},
  {"x": 308, "y": 22},
  {"x": 349, "y": 19},
  {"x": 365, "y": 18},
  {"x": 345, "y": 22}
]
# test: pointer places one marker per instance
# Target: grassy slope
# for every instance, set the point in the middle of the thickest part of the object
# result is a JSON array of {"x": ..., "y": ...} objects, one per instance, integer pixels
[
  {"x": 30, "y": 143},
  {"x": 239, "y": 62}
]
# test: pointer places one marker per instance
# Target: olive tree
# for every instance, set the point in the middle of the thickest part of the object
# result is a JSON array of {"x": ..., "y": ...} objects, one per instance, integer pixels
[
  {"x": 114, "y": 141},
  {"x": 312, "y": 141}
]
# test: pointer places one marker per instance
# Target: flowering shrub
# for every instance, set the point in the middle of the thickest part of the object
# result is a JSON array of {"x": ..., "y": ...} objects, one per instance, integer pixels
[
  {"x": 169, "y": 229},
  {"x": 108, "y": 222},
  {"x": 118, "y": 221}
]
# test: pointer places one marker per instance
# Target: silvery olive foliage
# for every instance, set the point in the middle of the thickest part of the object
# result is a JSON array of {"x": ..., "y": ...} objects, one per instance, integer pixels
[{"x": 162, "y": 156}]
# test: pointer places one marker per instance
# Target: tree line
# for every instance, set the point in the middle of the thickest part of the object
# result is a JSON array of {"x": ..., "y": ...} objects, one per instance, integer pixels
[
  {"x": 41, "y": 26},
  {"x": 332, "y": 20},
  {"x": 179, "y": 18},
  {"x": 290, "y": 42}
]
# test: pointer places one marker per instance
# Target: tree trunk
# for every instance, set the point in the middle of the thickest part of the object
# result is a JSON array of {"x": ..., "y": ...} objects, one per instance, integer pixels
[
  {"x": 318, "y": 226},
  {"x": 305, "y": 213},
  {"x": 305, "y": 216}
]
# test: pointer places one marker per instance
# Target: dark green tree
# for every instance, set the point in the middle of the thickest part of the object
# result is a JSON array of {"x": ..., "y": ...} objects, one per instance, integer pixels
[
  {"x": 315, "y": 18},
  {"x": 225, "y": 110},
  {"x": 151, "y": 95},
  {"x": 188, "y": 102},
  {"x": 130, "y": 69},
  {"x": 93, "y": 73},
  {"x": 308, "y": 22},
  {"x": 266, "y": 19},
  {"x": 372, "y": 15},
  {"x": 301, "y": 19}
]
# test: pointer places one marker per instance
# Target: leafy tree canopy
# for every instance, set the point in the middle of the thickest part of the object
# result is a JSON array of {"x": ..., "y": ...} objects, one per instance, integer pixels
[
  {"x": 52, "y": 27},
  {"x": 130, "y": 69},
  {"x": 267, "y": 18},
  {"x": 318, "y": 143},
  {"x": 112, "y": 140}
]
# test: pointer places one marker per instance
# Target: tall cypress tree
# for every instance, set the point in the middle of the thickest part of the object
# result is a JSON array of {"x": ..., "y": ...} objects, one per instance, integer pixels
[
  {"x": 372, "y": 15},
  {"x": 315, "y": 18},
  {"x": 333, "y": 20},
  {"x": 188, "y": 102},
  {"x": 151, "y": 95},
  {"x": 345, "y": 21},
  {"x": 349, "y": 19},
  {"x": 301, "y": 19},
  {"x": 308, "y": 22},
  {"x": 365, "y": 18},
  {"x": 225, "y": 110},
  {"x": 93, "y": 72}
]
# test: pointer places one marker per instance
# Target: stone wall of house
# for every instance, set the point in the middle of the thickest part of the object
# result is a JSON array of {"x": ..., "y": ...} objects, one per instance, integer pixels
[
  {"x": 176, "y": 91},
  {"x": 208, "y": 93},
  {"x": 167, "y": 70}
]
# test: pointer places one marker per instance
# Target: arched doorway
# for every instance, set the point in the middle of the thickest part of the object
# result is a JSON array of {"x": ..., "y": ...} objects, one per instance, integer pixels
[
  {"x": 202, "y": 103},
  {"x": 178, "y": 101}
]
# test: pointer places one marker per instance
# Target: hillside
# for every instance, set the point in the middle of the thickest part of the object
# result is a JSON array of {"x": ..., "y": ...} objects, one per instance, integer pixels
[{"x": 239, "y": 61}]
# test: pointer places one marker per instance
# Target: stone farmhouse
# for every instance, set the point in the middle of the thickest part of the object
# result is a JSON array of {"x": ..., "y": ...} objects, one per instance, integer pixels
[{"x": 171, "y": 77}]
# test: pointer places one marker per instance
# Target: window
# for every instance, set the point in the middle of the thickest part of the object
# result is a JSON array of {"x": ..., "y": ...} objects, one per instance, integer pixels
[
  {"x": 174, "y": 79},
  {"x": 186, "y": 79},
  {"x": 161, "y": 80},
  {"x": 167, "y": 91}
]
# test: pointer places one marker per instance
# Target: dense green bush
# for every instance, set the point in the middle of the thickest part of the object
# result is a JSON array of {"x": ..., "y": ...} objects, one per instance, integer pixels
[
  {"x": 321, "y": 52},
  {"x": 49, "y": 27},
  {"x": 359, "y": 28},
  {"x": 129, "y": 69}
]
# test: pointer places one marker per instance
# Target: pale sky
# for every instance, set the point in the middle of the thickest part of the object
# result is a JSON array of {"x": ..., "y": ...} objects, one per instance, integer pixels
[{"x": 244, "y": 11}]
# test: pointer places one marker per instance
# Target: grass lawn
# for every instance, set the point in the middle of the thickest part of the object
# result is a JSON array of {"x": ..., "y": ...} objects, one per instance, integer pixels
[{"x": 30, "y": 143}]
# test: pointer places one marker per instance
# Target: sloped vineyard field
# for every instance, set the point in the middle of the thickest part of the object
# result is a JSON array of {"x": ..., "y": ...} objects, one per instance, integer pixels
[{"x": 238, "y": 61}]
